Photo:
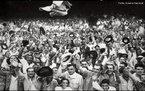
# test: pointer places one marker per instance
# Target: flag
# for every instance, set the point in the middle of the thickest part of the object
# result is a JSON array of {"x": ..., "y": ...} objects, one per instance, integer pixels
[{"x": 58, "y": 8}]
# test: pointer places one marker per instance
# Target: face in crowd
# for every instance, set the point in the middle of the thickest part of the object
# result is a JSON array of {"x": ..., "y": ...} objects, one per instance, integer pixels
[
  {"x": 36, "y": 68},
  {"x": 55, "y": 70},
  {"x": 71, "y": 69},
  {"x": 105, "y": 84},
  {"x": 13, "y": 58},
  {"x": 122, "y": 59},
  {"x": 84, "y": 64},
  {"x": 143, "y": 77},
  {"x": 110, "y": 69},
  {"x": 29, "y": 58},
  {"x": 64, "y": 83},
  {"x": 30, "y": 72},
  {"x": 139, "y": 70},
  {"x": 97, "y": 68}
]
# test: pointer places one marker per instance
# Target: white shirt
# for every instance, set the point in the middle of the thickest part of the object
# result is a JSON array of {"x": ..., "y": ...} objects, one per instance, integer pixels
[
  {"x": 32, "y": 87},
  {"x": 76, "y": 81},
  {"x": 61, "y": 89},
  {"x": 125, "y": 85},
  {"x": 112, "y": 88},
  {"x": 135, "y": 77},
  {"x": 97, "y": 86},
  {"x": 31, "y": 84},
  {"x": 14, "y": 83}
]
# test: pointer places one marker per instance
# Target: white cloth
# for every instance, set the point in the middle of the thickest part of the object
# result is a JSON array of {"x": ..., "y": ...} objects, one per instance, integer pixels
[
  {"x": 97, "y": 86},
  {"x": 133, "y": 60},
  {"x": 4, "y": 64},
  {"x": 61, "y": 89},
  {"x": 58, "y": 3},
  {"x": 14, "y": 84},
  {"x": 32, "y": 87},
  {"x": 112, "y": 88},
  {"x": 25, "y": 65},
  {"x": 105, "y": 60},
  {"x": 141, "y": 31},
  {"x": 92, "y": 46},
  {"x": 135, "y": 77}
]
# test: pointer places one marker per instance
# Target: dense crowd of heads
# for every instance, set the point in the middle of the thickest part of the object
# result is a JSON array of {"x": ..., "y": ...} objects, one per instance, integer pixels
[{"x": 114, "y": 44}]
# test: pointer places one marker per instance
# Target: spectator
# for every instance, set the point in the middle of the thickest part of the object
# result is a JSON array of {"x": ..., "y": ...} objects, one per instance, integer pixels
[
  {"x": 76, "y": 80},
  {"x": 31, "y": 81},
  {"x": 99, "y": 51},
  {"x": 64, "y": 85},
  {"x": 105, "y": 84}
]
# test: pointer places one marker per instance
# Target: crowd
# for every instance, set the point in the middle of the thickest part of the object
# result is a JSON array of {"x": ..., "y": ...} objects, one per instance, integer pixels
[{"x": 73, "y": 54}]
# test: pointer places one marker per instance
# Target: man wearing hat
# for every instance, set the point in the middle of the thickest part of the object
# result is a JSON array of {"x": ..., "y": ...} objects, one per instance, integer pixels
[{"x": 46, "y": 79}]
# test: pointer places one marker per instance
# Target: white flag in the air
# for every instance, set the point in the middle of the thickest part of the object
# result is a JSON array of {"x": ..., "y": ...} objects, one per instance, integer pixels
[{"x": 58, "y": 8}]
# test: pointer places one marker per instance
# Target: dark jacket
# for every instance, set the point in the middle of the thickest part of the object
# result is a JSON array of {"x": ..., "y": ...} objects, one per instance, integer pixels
[{"x": 139, "y": 86}]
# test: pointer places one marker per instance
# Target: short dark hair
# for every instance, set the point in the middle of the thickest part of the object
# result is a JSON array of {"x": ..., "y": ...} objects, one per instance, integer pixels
[
  {"x": 71, "y": 64},
  {"x": 105, "y": 81},
  {"x": 63, "y": 78},
  {"x": 121, "y": 70},
  {"x": 139, "y": 65}
]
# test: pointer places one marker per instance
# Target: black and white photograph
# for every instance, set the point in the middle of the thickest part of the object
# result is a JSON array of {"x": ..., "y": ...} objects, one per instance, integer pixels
[{"x": 72, "y": 45}]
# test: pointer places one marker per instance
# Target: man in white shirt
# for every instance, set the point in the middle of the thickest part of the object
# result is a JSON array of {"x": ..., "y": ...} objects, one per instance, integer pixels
[
  {"x": 31, "y": 82},
  {"x": 139, "y": 70},
  {"x": 126, "y": 82},
  {"x": 76, "y": 80}
]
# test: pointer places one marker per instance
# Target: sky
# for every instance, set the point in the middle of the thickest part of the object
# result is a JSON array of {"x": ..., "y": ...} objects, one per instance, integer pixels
[{"x": 29, "y": 8}]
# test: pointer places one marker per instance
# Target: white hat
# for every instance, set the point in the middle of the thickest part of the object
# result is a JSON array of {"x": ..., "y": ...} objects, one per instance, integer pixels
[{"x": 64, "y": 57}]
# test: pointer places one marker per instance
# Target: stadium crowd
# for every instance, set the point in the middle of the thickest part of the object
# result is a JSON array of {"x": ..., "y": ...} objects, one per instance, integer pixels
[{"x": 73, "y": 54}]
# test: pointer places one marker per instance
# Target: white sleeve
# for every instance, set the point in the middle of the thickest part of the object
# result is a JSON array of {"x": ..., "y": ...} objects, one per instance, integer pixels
[
  {"x": 25, "y": 65},
  {"x": 4, "y": 64},
  {"x": 97, "y": 86},
  {"x": 81, "y": 83},
  {"x": 58, "y": 88},
  {"x": 105, "y": 60},
  {"x": 133, "y": 60}
]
